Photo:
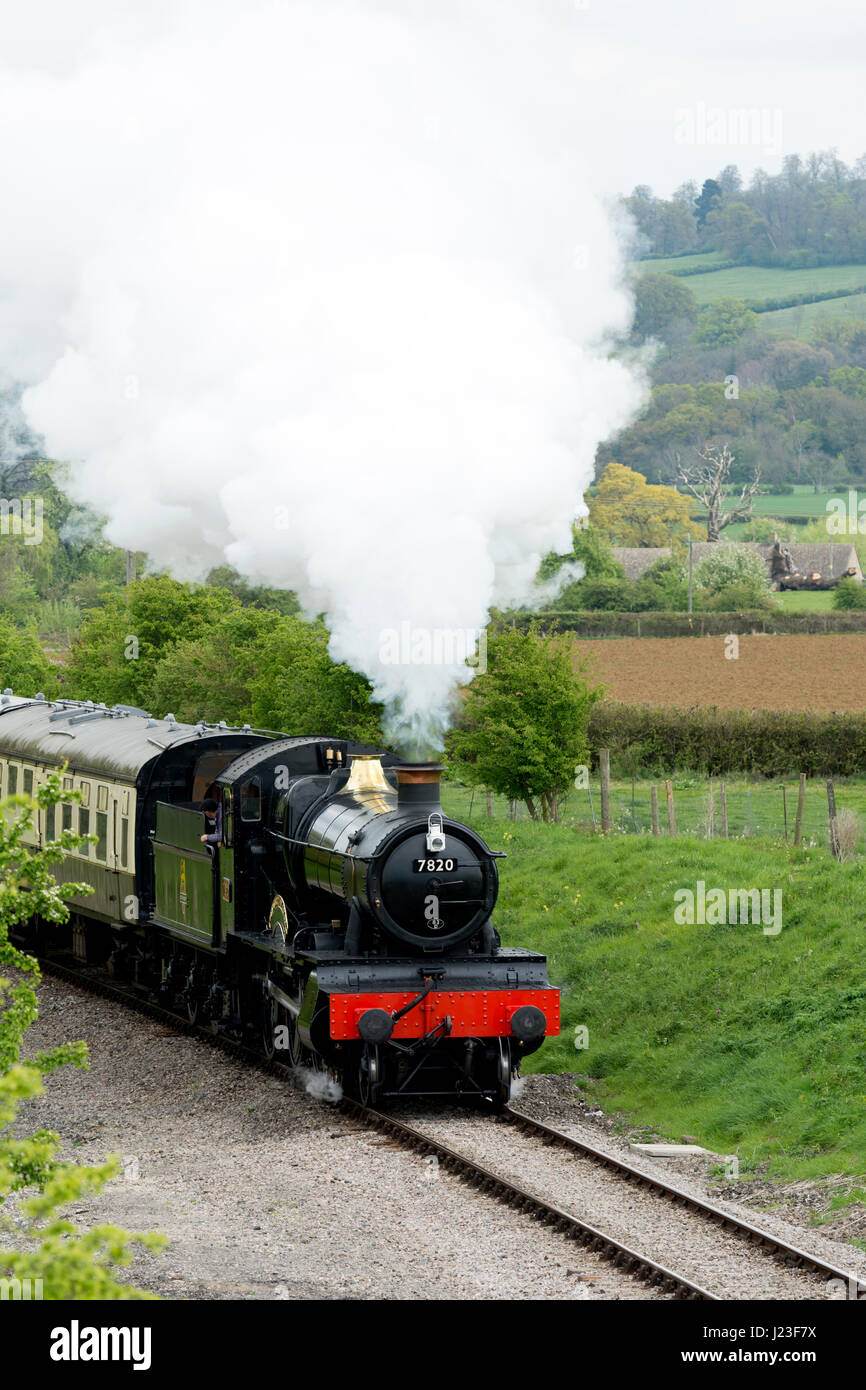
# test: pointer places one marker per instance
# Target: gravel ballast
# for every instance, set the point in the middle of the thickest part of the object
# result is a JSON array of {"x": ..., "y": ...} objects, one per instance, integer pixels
[{"x": 266, "y": 1193}]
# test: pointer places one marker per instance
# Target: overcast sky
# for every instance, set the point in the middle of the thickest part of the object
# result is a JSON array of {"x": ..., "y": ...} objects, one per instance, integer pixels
[{"x": 659, "y": 83}]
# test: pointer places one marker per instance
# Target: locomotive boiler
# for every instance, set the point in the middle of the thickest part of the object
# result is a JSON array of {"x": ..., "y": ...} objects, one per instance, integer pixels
[{"x": 338, "y": 915}]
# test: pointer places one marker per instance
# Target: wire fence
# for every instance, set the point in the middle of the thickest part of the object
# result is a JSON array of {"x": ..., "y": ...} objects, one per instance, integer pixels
[{"x": 747, "y": 809}]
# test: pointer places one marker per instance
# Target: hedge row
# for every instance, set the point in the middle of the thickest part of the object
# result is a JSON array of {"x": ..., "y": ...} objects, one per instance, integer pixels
[
  {"x": 610, "y": 623},
  {"x": 790, "y": 301},
  {"x": 768, "y": 742},
  {"x": 704, "y": 269}
]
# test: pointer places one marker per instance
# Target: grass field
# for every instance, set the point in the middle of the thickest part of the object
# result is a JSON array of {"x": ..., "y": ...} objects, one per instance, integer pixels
[
  {"x": 670, "y": 265},
  {"x": 803, "y": 502},
  {"x": 820, "y": 601},
  {"x": 755, "y": 808},
  {"x": 751, "y": 1042},
  {"x": 766, "y": 282},
  {"x": 802, "y": 320}
]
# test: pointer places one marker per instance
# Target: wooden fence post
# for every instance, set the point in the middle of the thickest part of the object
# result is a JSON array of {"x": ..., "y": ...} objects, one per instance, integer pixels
[
  {"x": 798, "y": 824},
  {"x": 654, "y": 804},
  {"x": 489, "y": 797},
  {"x": 834, "y": 824},
  {"x": 512, "y": 809},
  {"x": 672, "y": 819},
  {"x": 724, "y": 799},
  {"x": 604, "y": 767},
  {"x": 785, "y": 812}
]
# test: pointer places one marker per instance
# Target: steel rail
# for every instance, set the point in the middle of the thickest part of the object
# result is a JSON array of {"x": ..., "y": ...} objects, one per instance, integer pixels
[{"x": 791, "y": 1255}]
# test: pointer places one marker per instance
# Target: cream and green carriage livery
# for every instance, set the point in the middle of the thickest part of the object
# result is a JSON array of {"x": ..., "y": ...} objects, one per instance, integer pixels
[{"x": 140, "y": 782}]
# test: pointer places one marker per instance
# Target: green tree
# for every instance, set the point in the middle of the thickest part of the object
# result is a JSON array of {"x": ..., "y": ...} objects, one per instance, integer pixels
[
  {"x": 299, "y": 688},
  {"x": 723, "y": 322},
  {"x": 738, "y": 232},
  {"x": 661, "y": 302},
  {"x": 737, "y": 566},
  {"x": 24, "y": 666},
  {"x": 46, "y": 1245},
  {"x": 115, "y": 655},
  {"x": 591, "y": 550},
  {"x": 708, "y": 200},
  {"x": 211, "y": 677},
  {"x": 523, "y": 722},
  {"x": 632, "y": 512}
]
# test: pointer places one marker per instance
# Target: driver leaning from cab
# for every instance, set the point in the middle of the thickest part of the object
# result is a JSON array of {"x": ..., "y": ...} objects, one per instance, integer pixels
[{"x": 213, "y": 813}]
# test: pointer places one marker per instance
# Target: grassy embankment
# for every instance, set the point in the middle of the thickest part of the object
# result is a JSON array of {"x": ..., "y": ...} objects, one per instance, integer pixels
[{"x": 752, "y": 1043}]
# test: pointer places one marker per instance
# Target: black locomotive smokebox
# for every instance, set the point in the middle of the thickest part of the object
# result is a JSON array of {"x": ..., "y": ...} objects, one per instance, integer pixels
[{"x": 418, "y": 784}]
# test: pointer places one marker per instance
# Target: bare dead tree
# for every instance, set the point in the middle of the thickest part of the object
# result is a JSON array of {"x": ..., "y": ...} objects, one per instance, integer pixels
[{"x": 708, "y": 482}]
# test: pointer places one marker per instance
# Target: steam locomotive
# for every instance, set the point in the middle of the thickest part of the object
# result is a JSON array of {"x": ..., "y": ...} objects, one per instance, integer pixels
[{"x": 341, "y": 917}]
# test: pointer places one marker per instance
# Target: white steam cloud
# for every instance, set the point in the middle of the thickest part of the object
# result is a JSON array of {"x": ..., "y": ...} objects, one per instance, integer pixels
[{"x": 322, "y": 289}]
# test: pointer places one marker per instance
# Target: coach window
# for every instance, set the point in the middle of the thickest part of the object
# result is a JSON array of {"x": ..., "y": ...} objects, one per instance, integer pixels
[
  {"x": 84, "y": 788},
  {"x": 124, "y": 842},
  {"x": 101, "y": 850},
  {"x": 67, "y": 816},
  {"x": 50, "y": 822},
  {"x": 251, "y": 799},
  {"x": 13, "y": 779},
  {"x": 102, "y": 798},
  {"x": 28, "y": 781},
  {"x": 84, "y": 829}
]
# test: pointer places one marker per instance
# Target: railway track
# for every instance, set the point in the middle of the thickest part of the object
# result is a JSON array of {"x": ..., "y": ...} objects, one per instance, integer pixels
[{"x": 495, "y": 1185}]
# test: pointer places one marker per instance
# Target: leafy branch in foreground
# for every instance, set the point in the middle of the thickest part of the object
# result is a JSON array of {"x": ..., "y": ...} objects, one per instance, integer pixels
[{"x": 35, "y": 1185}]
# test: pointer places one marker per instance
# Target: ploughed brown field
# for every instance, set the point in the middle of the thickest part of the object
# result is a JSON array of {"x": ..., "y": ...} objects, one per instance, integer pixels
[{"x": 812, "y": 672}]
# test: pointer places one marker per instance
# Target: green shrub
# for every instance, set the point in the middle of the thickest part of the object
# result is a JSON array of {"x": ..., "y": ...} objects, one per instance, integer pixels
[{"x": 849, "y": 593}]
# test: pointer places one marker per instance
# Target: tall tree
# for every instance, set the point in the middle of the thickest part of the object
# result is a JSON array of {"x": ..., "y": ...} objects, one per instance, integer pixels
[
  {"x": 661, "y": 302},
  {"x": 708, "y": 482},
  {"x": 630, "y": 511},
  {"x": 523, "y": 723},
  {"x": 709, "y": 198}
]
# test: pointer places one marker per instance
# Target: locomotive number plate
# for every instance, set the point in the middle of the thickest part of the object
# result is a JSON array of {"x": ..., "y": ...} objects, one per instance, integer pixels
[{"x": 434, "y": 866}]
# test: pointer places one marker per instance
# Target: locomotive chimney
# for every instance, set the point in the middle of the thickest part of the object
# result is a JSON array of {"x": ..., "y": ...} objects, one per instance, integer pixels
[{"x": 418, "y": 784}]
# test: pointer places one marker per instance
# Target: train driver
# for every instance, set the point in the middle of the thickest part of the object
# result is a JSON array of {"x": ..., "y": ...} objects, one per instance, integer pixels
[{"x": 213, "y": 813}]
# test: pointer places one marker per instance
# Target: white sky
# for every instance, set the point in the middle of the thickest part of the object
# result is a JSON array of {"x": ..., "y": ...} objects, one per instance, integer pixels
[{"x": 639, "y": 66}]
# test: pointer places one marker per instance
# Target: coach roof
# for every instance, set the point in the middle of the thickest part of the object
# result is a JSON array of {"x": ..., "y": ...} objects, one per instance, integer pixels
[{"x": 94, "y": 739}]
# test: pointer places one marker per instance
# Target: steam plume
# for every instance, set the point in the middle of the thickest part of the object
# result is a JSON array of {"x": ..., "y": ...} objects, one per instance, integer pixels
[{"x": 324, "y": 290}]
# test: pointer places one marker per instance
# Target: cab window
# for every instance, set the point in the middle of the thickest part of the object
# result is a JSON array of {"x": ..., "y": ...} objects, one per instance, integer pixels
[{"x": 251, "y": 799}]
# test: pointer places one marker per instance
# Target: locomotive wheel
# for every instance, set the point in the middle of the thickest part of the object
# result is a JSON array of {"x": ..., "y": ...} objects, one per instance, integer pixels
[
  {"x": 503, "y": 1075},
  {"x": 270, "y": 1018},
  {"x": 294, "y": 1053},
  {"x": 369, "y": 1075}
]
